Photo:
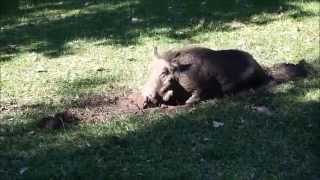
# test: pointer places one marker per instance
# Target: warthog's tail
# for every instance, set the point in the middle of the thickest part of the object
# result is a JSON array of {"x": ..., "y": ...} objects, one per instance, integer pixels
[{"x": 284, "y": 72}]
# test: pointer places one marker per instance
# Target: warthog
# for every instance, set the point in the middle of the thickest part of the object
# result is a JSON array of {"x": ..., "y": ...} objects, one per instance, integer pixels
[{"x": 193, "y": 74}]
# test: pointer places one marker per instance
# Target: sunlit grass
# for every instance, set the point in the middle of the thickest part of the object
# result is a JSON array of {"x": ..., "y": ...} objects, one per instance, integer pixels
[
  {"x": 59, "y": 62},
  {"x": 271, "y": 43}
]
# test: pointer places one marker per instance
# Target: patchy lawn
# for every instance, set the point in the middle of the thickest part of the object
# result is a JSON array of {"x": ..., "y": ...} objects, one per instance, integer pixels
[{"x": 55, "y": 54}]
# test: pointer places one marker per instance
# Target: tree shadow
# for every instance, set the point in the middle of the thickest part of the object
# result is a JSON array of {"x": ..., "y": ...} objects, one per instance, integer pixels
[
  {"x": 249, "y": 145},
  {"x": 82, "y": 85},
  {"x": 186, "y": 146},
  {"x": 123, "y": 22}
]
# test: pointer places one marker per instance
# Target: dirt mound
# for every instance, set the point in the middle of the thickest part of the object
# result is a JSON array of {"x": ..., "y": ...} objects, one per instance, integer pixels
[
  {"x": 100, "y": 108},
  {"x": 283, "y": 72}
]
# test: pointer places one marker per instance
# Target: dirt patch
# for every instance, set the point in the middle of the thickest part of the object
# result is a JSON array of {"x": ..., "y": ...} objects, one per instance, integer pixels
[{"x": 101, "y": 108}]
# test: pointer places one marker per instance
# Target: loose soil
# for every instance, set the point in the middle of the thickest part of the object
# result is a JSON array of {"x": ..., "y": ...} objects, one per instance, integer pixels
[{"x": 101, "y": 108}]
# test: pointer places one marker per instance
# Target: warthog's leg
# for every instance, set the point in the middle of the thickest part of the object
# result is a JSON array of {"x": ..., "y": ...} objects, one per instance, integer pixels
[
  {"x": 194, "y": 98},
  {"x": 166, "y": 97},
  {"x": 148, "y": 101},
  {"x": 164, "y": 92}
]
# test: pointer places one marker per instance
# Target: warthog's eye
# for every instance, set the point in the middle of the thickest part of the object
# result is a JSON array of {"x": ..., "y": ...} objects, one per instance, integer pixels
[
  {"x": 184, "y": 67},
  {"x": 164, "y": 73}
]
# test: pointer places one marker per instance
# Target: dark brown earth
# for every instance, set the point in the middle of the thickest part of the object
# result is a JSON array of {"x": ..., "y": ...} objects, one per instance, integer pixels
[
  {"x": 101, "y": 108},
  {"x": 283, "y": 72}
]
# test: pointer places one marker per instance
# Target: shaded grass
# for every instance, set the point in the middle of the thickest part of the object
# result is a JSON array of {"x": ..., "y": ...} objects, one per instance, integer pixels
[
  {"x": 124, "y": 22},
  {"x": 283, "y": 145},
  {"x": 59, "y": 51}
]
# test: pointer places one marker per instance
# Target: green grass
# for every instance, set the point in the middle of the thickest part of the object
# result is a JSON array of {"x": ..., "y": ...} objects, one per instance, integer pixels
[{"x": 51, "y": 53}]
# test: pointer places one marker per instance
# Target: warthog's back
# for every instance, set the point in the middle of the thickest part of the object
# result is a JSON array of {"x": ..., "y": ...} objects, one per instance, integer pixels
[{"x": 203, "y": 68}]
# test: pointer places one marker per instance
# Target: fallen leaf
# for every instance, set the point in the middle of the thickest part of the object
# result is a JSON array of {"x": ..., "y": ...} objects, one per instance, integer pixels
[
  {"x": 136, "y": 20},
  {"x": 263, "y": 109},
  {"x": 206, "y": 139},
  {"x": 23, "y": 170},
  {"x": 217, "y": 124}
]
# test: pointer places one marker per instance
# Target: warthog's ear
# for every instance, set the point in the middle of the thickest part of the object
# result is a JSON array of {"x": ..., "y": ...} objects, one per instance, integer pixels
[
  {"x": 177, "y": 54},
  {"x": 174, "y": 63},
  {"x": 155, "y": 53},
  {"x": 176, "y": 66}
]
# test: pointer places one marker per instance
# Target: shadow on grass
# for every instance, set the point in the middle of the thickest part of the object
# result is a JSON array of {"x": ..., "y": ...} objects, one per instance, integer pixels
[
  {"x": 123, "y": 22},
  {"x": 78, "y": 86},
  {"x": 187, "y": 146},
  {"x": 250, "y": 145}
]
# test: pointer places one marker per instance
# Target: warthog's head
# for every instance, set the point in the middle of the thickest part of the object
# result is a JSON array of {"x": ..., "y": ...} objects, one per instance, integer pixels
[{"x": 159, "y": 80}]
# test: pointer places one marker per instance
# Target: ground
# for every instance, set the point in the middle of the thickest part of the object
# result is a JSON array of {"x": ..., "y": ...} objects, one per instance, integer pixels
[{"x": 83, "y": 55}]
